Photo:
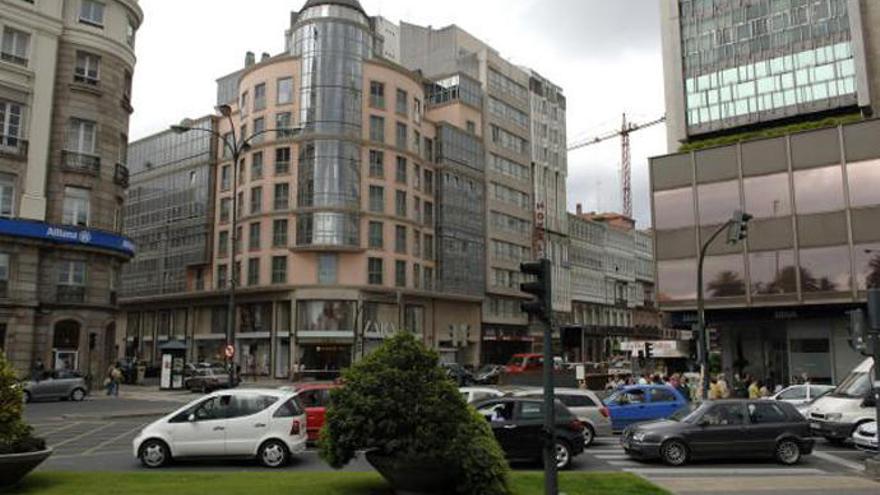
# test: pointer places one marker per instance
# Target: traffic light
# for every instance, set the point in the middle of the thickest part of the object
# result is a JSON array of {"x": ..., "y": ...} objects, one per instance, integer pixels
[
  {"x": 649, "y": 350},
  {"x": 542, "y": 306},
  {"x": 739, "y": 227}
]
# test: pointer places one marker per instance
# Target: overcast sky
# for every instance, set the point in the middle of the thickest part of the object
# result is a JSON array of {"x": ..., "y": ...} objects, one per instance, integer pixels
[{"x": 605, "y": 54}]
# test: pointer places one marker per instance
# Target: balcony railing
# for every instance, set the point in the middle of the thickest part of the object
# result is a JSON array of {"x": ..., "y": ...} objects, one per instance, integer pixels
[
  {"x": 81, "y": 162},
  {"x": 13, "y": 146},
  {"x": 70, "y": 294},
  {"x": 120, "y": 175}
]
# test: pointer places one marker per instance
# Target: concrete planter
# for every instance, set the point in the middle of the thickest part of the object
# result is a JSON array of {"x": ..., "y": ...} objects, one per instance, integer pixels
[
  {"x": 414, "y": 476},
  {"x": 14, "y": 467}
]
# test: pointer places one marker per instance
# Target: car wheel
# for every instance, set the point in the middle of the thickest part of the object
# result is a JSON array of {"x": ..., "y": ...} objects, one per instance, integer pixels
[
  {"x": 154, "y": 454},
  {"x": 273, "y": 454},
  {"x": 674, "y": 452},
  {"x": 26, "y": 397},
  {"x": 563, "y": 455},
  {"x": 788, "y": 452},
  {"x": 77, "y": 395},
  {"x": 589, "y": 435}
]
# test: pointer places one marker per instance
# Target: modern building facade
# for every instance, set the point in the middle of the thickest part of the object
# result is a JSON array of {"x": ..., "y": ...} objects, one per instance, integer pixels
[
  {"x": 735, "y": 65},
  {"x": 65, "y": 90}
]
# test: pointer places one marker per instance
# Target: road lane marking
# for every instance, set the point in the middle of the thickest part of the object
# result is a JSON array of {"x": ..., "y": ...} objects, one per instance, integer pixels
[
  {"x": 114, "y": 439},
  {"x": 612, "y": 457},
  {"x": 59, "y": 430},
  {"x": 83, "y": 435},
  {"x": 837, "y": 460},
  {"x": 672, "y": 471}
]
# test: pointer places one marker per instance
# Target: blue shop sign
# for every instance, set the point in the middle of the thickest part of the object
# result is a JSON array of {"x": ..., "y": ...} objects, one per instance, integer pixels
[{"x": 66, "y": 235}]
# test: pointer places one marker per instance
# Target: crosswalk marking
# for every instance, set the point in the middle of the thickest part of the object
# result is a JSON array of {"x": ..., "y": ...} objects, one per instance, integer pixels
[
  {"x": 83, "y": 435},
  {"x": 114, "y": 439},
  {"x": 837, "y": 460},
  {"x": 727, "y": 471}
]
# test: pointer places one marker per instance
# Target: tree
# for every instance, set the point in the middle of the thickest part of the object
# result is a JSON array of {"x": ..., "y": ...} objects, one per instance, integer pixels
[
  {"x": 16, "y": 436},
  {"x": 727, "y": 284}
]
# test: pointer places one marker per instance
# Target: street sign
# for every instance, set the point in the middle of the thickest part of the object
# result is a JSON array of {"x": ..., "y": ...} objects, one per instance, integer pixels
[{"x": 230, "y": 351}]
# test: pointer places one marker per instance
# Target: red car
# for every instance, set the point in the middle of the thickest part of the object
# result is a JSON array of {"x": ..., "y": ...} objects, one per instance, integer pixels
[
  {"x": 315, "y": 397},
  {"x": 520, "y": 363}
]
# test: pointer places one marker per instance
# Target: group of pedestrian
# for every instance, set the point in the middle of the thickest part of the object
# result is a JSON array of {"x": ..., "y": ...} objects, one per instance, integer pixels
[{"x": 677, "y": 381}]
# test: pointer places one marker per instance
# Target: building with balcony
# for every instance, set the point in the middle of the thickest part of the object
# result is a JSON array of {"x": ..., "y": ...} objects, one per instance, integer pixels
[{"x": 65, "y": 91}]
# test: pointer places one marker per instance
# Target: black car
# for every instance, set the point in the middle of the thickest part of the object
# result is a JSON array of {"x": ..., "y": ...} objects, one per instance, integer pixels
[
  {"x": 518, "y": 423},
  {"x": 723, "y": 429},
  {"x": 488, "y": 374},
  {"x": 459, "y": 374}
]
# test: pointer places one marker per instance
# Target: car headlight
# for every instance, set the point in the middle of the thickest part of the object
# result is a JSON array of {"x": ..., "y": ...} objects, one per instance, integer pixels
[
  {"x": 834, "y": 416},
  {"x": 639, "y": 436}
]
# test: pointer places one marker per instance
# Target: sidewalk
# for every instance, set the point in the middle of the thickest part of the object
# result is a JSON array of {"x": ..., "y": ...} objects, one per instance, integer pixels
[{"x": 776, "y": 485}]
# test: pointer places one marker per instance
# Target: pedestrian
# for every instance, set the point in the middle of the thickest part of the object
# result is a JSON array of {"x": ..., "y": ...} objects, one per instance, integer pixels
[
  {"x": 684, "y": 389},
  {"x": 714, "y": 389},
  {"x": 643, "y": 380},
  {"x": 657, "y": 380},
  {"x": 108, "y": 379},
  {"x": 723, "y": 389},
  {"x": 754, "y": 390},
  {"x": 37, "y": 371},
  {"x": 764, "y": 391}
]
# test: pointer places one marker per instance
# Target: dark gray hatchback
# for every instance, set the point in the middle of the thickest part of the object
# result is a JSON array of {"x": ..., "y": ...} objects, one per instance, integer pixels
[{"x": 722, "y": 430}]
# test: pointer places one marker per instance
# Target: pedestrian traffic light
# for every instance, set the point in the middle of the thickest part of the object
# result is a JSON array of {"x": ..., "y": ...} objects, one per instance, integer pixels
[
  {"x": 649, "y": 350},
  {"x": 542, "y": 306},
  {"x": 738, "y": 229}
]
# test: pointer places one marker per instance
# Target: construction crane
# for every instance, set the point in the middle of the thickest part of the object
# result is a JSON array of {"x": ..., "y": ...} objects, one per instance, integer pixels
[{"x": 625, "y": 130}]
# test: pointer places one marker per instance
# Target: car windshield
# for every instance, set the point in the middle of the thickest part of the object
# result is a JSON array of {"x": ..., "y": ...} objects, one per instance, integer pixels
[
  {"x": 855, "y": 385},
  {"x": 517, "y": 361},
  {"x": 686, "y": 414}
]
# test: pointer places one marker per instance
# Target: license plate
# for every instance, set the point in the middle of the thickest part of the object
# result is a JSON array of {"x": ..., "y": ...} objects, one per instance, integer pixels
[{"x": 815, "y": 426}]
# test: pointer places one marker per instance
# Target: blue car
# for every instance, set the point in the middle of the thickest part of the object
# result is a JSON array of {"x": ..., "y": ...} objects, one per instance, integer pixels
[{"x": 639, "y": 403}]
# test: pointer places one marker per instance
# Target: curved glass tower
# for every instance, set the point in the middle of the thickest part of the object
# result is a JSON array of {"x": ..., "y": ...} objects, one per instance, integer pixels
[{"x": 332, "y": 39}]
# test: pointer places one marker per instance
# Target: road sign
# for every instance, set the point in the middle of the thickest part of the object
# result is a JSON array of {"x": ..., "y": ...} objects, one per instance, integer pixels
[{"x": 230, "y": 351}]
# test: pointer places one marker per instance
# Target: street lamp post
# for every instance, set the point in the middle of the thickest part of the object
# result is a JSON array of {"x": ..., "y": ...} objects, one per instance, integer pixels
[{"x": 237, "y": 146}]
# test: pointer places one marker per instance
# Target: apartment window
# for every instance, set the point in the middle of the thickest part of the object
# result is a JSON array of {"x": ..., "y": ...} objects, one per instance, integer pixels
[
  {"x": 429, "y": 149},
  {"x": 72, "y": 273},
  {"x": 223, "y": 244},
  {"x": 10, "y": 123},
  {"x": 417, "y": 142},
  {"x": 400, "y": 273},
  {"x": 285, "y": 91},
  {"x": 284, "y": 125},
  {"x": 471, "y": 126},
  {"x": 260, "y": 97},
  {"x": 429, "y": 278},
  {"x": 4, "y": 282},
  {"x": 225, "y": 210},
  {"x": 241, "y": 174},
  {"x": 400, "y": 239},
  {"x": 429, "y": 247},
  {"x": 253, "y": 271},
  {"x": 76, "y": 206},
  {"x": 92, "y": 13},
  {"x": 417, "y": 243},
  {"x": 417, "y": 110},
  {"x": 400, "y": 136},
  {"x": 377, "y": 199},
  {"x": 87, "y": 68},
  {"x": 15, "y": 46},
  {"x": 259, "y": 131},
  {"x": 282, "y": 196},
  {"x": 239, "y": 205},
  {"x": 243, "y": 104},
  {"x": 257, "y": 166},
  {"x": 401, "y": 103},
  {"x": 377, "y": 235},
  {"x": 254, "y": 236},
  {"x": 400, "y": 203},
  {"x": 222, "y": 276},
  {"x": 282, "y": 161},
  {"x": 130, "y": 33},
  {"x": 279, "y": 269},
  {"x": 417, "y": 209},
  {"x": 377, "y": 95},
  {"x": 377, "y": 129},
  {"x": 375, "y": 271},
  {"x": 417, "y": 276},
  {"x": 237, "y": 244},
  {"x": 81, "y": 136},
  {"x": 377, "y": 164},
  {"x": 227, "y": 143},
  {"x": 428, "y": 214},
  {"x": 122, "y": 157},
  {"x": 256, "y": 200},
  {"x": 7, "y": 195},
  {"x": 279, "y": 233},
  {"x": 225, "y": 178},
  {"x": 400, "y": 176},
  {"x": 327, "y": 267}
]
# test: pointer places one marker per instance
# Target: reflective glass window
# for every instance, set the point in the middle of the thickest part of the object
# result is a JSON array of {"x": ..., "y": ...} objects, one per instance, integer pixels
[
  {"x": 767, "y": 196},
  {"x": 724, "y": 276},
  {"x": 864, "y": 183},
  {"x": 867, "y": 257},
  {"x": 325, "y": 315},
  {"x": 677, "y": 280},
  {"x": 819, "y": 190},
  {"x": 674, "y": 208},
  {"x": 825, "y": 269},
  {"x": 773, "y": 272},
  {"x": 718, "y": 201}
]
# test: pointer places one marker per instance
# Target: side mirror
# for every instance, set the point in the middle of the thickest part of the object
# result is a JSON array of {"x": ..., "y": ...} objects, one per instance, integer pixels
[
  {"x": 869, "y": 401},
  {"x": 191, "y": 418}
]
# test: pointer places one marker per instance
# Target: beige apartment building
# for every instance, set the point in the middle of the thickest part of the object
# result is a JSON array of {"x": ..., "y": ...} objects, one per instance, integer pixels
[{"x": 66, "y": 69}]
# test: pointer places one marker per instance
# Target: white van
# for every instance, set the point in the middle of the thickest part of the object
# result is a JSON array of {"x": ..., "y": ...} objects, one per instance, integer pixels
[{"x": 836, "y": 415}]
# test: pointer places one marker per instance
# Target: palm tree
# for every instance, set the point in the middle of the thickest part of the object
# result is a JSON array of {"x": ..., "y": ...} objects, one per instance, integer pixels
[{"x": 727, "y": 284}]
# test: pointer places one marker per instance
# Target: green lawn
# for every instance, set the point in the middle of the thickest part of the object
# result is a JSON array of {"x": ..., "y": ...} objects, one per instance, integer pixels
[{"x": 306, "y": 483}]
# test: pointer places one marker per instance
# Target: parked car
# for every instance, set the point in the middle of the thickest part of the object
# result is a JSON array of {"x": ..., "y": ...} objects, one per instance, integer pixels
[
  {"x": 477, "y": 394},
  {"x": 56, "y": 385},
  {"x": 488, "y": 374},
  {"x": 458, "y": 373},
  {"x": 207, "y": 380},
  {"x": 723, "y": 429},
  {"x": 520, "y": 363},
  {"x": 797, "y": 395},
  {"x": 865, "y": 437},
  {"x": 315, "y": 397},
  {"x": 639, "y": 403},
  {"x": 518, "y": 423},
  {"x": 837, "y": 414},
  {"x": 269, "y": 425},
  {"x": 585, "y": 405}
]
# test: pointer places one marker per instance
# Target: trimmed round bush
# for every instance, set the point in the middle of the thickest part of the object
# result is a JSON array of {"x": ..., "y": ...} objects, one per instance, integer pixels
[{"x": 16, "y": 436}]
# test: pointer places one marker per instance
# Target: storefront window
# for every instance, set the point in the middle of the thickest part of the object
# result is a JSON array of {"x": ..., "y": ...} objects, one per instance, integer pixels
[
  {"x": 867, "y": 265},
  {"x": 773, "y": 272},
  {"x": 677, "y": 280},
  {"x": 724, "y": 276},
  {"x": 811, "y": 358},
  {"x": 825, "y": 269},
  {"x": 718, "y": 201},
  {"x": 674, "y": 209},
  {"x": 325, "y": 316},
  {"x": 864, "y": 183},
  {"x": 415, "y": 319},
  {"x": 819, "y": 190},
  {"x": 767, "y": 196}
]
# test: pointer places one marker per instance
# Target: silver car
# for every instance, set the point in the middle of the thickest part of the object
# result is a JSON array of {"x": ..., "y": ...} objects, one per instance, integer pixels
[
  {"x": 57, "y": 385},
  {"x": 584, "y": 404}
]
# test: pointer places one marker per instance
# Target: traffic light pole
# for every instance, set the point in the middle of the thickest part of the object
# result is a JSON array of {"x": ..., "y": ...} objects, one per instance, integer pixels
[{"x": 703, "y": 340}]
